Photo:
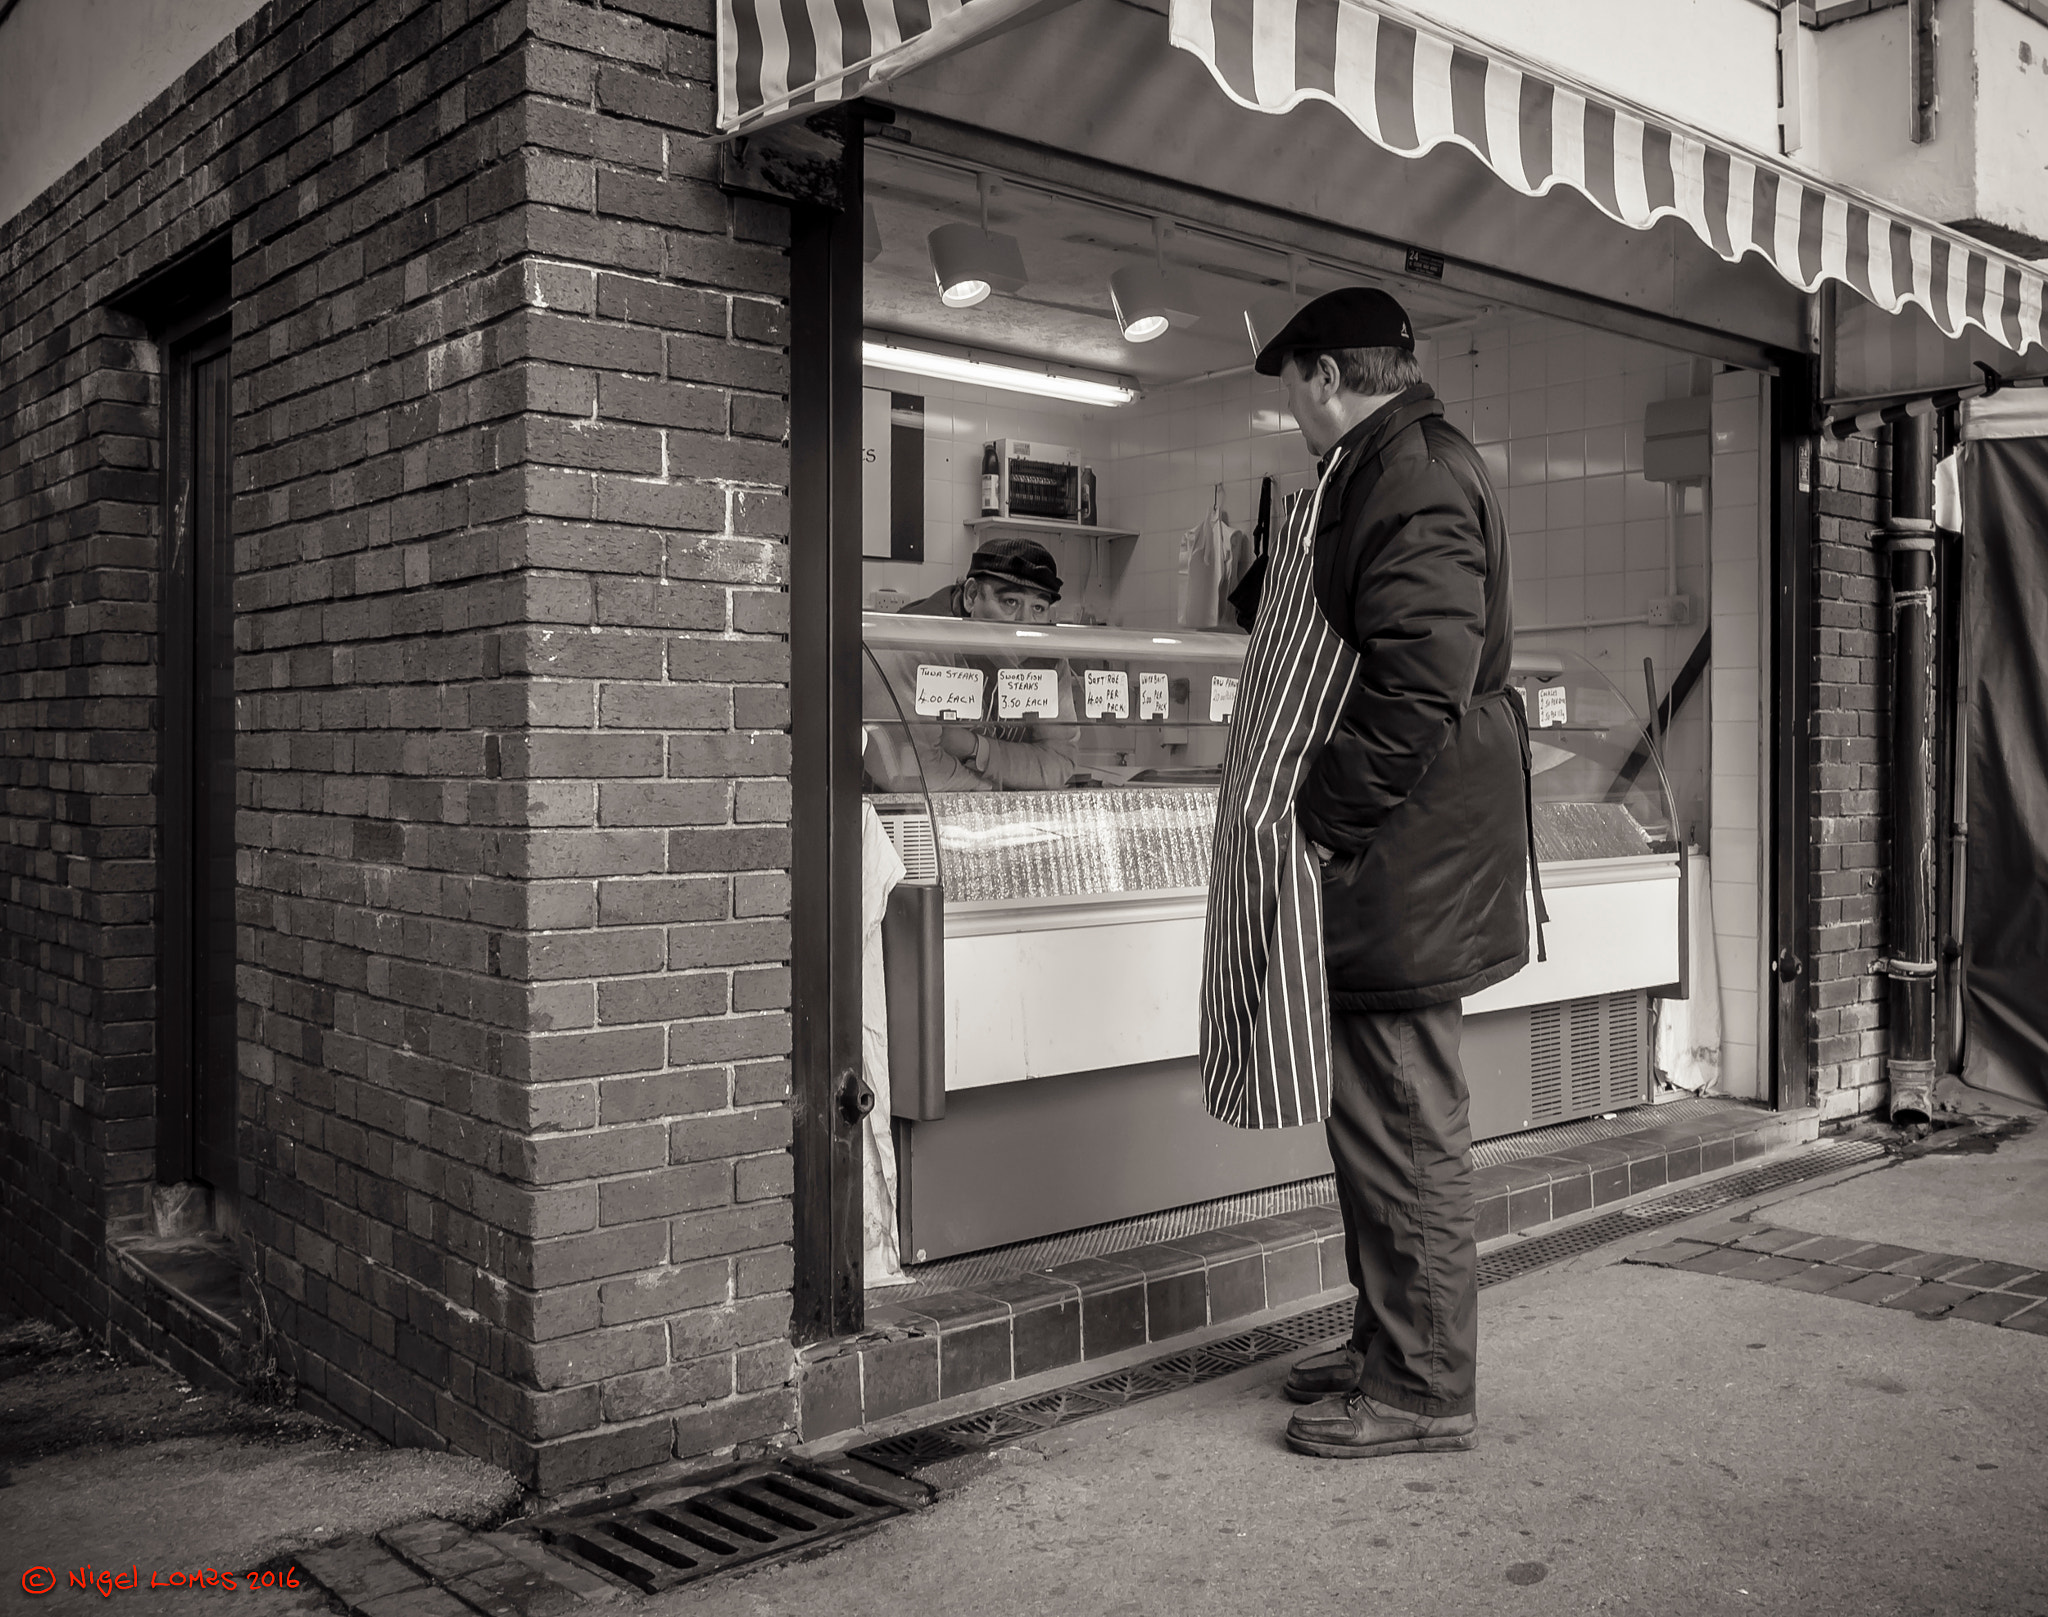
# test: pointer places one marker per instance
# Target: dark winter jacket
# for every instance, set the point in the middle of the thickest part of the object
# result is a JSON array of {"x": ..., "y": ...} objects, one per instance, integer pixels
[{"x": 1421, "y": 791}]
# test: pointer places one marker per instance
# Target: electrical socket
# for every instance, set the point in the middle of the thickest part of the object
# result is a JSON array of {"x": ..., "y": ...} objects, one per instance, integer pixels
[{"x": 1666, "y": 610}]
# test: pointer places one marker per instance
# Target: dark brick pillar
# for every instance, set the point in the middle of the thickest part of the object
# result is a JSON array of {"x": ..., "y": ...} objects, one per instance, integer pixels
[{"x": 652, "y": 345}]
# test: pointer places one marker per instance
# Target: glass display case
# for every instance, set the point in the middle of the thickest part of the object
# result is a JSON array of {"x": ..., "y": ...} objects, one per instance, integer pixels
[{"x": 1052, "y": 792}]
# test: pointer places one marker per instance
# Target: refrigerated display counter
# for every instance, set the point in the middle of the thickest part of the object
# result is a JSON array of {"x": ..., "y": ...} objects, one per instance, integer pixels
[{"x": 1052, "y": 792}]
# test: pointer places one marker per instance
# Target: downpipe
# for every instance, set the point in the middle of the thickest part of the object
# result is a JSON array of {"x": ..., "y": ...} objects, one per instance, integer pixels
[{"x": 1908, "y": 540}]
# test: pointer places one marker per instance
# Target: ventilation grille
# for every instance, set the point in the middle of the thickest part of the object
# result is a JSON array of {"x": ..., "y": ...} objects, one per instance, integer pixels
[
  {"x": 1626, "y": 1069},
  {"x": 1546, "y": 1064},
  {"x": 659, "y": 1541},
  {"x": 1589, "y": 1055},
  {"x": 1585, "y": 1057},
  {"x": 910, "y": 832}
]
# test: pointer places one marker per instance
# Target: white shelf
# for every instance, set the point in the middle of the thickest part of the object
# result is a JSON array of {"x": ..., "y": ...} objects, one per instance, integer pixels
[
  {"x": 978, "y": 525},
  {"x": 894, "y": 631}
]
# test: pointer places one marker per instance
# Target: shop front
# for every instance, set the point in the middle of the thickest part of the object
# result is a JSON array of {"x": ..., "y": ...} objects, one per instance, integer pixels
[
  {"x": 1067, "y": 234},
  {"x": 660, "y": 918}
]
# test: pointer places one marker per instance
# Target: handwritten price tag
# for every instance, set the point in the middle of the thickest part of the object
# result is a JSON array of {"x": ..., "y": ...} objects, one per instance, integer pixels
[
  {"x": 1108, "y": 694},
  {"x": 947, "y": 692},
  {"x": 1153, "y": 696},
  {"x": 1027, "y": 693},
  {"x": 1222, "y": 697},
  {"x": 1551, "y": 706}
]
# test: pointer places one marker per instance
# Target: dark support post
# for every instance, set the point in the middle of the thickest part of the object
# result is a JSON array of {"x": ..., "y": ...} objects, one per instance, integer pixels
[
  {"x": 824, "y": 603},
  {"x": 1793, "y": 632},
  {"x": 1908, "y": 540},
  {"x": 1954, "y": 749},
  {"x": 1923, "y": 53}
]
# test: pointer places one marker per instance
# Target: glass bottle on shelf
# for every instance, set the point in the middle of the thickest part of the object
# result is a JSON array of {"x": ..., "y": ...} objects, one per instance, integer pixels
[{"x": 991, "y": 482}]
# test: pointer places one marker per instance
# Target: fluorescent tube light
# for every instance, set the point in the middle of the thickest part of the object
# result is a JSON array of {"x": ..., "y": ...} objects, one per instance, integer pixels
[{"x": 981, "y": 373}]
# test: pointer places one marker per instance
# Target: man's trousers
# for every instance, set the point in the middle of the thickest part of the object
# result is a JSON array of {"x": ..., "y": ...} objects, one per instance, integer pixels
[{"x": 1401, "y": 1141}]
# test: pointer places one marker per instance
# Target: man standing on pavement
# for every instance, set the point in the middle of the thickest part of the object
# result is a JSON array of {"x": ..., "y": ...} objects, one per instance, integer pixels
[{"x": 1372, "y": 843}]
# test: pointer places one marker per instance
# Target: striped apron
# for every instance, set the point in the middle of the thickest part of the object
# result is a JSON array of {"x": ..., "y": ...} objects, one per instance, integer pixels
[{"x": 1265, "y": 1001}]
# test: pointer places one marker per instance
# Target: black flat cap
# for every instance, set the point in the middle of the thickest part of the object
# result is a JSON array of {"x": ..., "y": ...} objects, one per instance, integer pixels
[
  {"x": 1350, "y": 317},
  {"x": 1018, "y": 561}
]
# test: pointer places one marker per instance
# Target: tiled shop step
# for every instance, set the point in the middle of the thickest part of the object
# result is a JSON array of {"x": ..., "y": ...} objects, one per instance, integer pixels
[{"x": 950, "y": 1344}]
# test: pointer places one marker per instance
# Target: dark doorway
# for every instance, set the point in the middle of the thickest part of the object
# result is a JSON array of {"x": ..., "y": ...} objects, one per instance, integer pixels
[{"x": 197, "y": 1095}]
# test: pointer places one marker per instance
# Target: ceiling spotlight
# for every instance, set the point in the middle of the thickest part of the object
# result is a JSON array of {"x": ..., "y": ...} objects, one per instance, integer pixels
[
  {"x": 1138, "y": 294},
  {"x": 1264, "y": 320},
  {"x": 968, "y": 263},
  {"x": 1145, "y": 298}
]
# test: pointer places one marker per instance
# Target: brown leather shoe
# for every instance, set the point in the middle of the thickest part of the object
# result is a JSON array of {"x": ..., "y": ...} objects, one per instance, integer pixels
[
  {"x": 1356, "y": 1427},
  {"x": 1323, "y": 1375}
]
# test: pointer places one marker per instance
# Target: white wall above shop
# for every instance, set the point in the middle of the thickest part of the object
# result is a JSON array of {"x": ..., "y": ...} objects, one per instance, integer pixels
[
  {"x": 1986, "y": 169},
  {"x": 1712, "y": 63},
  {"x": 73, "y": 71}
]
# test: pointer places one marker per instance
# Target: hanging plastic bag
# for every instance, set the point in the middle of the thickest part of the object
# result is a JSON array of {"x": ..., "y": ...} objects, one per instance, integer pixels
[{"x": 1206, "y": 554}]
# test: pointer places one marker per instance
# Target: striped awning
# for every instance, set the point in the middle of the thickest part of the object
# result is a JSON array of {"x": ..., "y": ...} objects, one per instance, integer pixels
[
  {"x": 1412, "y": 87},
  {"x": 781, "y": 59}
]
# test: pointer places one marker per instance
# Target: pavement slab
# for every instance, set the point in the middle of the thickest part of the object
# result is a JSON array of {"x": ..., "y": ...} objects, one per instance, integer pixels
[{"x": 1960, "y": 1198}]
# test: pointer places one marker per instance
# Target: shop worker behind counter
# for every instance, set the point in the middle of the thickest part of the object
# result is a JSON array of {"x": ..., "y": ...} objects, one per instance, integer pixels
[
  {"x": 1371, "y": 850},
  {"x": 1008, "y": 581}
]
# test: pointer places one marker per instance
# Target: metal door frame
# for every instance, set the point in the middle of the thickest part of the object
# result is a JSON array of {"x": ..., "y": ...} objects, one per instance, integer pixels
[{"x": 826, "y": 272}]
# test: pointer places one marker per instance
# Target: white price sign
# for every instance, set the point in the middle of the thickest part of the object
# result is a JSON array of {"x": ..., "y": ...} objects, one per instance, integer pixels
[
  {"x": 1107, "y": 694},
  {"x": 1222, "y": 697},
  {"x": 1027, "y": 693},
  {"x": 1153, "y": 696},
  {"x": 1550, "y": 706},
  {"x": 947, "y": 692}
]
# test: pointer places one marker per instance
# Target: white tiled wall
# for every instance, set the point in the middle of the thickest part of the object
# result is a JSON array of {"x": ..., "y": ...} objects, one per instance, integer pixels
[
  {"x": 1556, "y": 411},
  {"x": 957, "y": 422},
  {"x": 1167, "y": 456},
  {"x": 1736, "y": 607}
]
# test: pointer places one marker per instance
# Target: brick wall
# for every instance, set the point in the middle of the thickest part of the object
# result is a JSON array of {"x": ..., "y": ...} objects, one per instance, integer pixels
[
  {"x": 510, "y": 501},
  {"x": 656, "y": 755},
  {"x": 78, "y": 492},
  {"x": 1851, "y": 714}
]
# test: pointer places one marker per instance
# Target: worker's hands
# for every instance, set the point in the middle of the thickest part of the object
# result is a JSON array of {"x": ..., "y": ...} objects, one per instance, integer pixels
[{"x": 958, "y": 740}]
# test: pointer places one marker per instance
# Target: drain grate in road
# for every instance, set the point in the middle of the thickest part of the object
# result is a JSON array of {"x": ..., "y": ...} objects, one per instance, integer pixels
[
  {"x": 949, "y": 1440},
  {"x": 661, "y": 1540}
]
